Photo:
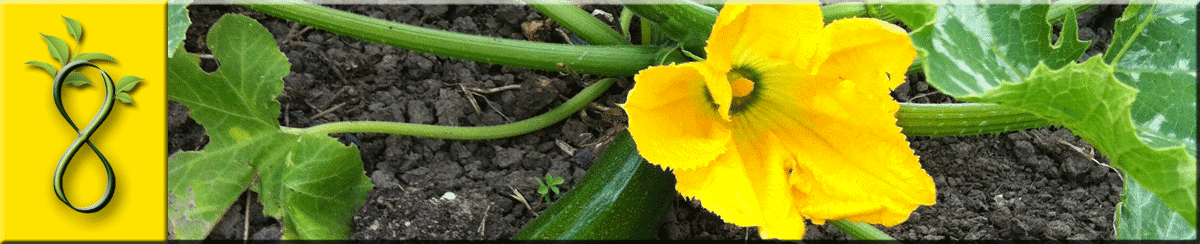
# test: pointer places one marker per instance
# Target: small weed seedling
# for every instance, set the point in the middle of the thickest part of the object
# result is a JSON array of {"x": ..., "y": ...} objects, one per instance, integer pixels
[{"x": 551, "y": 184}]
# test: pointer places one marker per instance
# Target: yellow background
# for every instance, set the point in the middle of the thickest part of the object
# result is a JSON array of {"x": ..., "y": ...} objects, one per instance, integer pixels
[{"x": 133, "y": 138}]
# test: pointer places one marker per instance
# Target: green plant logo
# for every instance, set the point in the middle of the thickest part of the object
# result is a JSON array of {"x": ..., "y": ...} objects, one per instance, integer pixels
[{"x": 113, "y": 92}]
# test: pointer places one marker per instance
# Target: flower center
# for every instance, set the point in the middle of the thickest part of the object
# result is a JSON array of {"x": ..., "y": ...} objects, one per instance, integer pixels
[{"x": 744, "y": 82}]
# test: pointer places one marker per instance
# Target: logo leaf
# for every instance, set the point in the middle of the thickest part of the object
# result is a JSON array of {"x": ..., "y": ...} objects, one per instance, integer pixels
[
  {"x": 125, "y": 98},
  {"x": 49, "y": 69},
  {"x": 127, "y": 83},
  {"x": 78, "y": 79},
  {"x": 58, "y": 49},
  {"x": 93, "y": 56},
  {"x": 74, "y": 28}
]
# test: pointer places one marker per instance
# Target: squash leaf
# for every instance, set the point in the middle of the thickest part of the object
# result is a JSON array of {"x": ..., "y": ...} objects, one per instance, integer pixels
[
  {"x": 1088, "y": 99},
  {"x": 1142, "y": 216},
  {"x": 177, "y": 25},
  {"x": 1136, "y": 104},
  {"x": 970, "y": 49},
  {"x": 311, "y": 183}
]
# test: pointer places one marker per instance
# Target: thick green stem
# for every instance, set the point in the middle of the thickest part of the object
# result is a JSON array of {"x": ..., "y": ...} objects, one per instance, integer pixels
[
  {"x": 963, "y": 119},
  {"x": 578, "y": 21},
  {"x": 1059, "y": 10},
  {"x": 463, "y": 133},
  {"x": 856, "y": 9},
  {"x": 683, "y": 21},
  {"x": 861, "y": 231},
  {"x": 621, "y": 60}
]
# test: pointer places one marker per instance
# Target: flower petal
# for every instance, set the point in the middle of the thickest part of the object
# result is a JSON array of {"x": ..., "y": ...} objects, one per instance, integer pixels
[
  {"x": 874, "y": 53},
  {"x": 748, "y": 185},
  {"x": 722, "y": 187},
  {"x": 789, "y": 228},
  {"x": 852, "y": 161},
  {"x": 773, "y": 31},
  {"x": 672, "y": 119}
]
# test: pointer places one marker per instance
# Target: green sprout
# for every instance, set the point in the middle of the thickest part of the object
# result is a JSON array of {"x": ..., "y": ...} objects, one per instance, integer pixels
[{"x": 551, "y": 184}]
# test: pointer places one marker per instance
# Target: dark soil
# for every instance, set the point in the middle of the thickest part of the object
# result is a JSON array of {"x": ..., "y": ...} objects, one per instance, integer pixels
[{"x": 1035, "y": 184}]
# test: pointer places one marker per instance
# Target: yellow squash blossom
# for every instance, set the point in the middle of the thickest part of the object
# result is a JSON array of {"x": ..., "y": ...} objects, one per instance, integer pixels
[{"x": 787, "y": 120}]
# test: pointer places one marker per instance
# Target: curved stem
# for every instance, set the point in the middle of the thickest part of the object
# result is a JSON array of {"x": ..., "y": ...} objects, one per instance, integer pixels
[
  {"x": 623, "y": 60},
  {"x": 463, "y": 133},
  {"x": 961, "y": 119},
  {"x": 684, "y": 21},
  {"x": 578, "y": 21},
  {"x": 855, "y": 9},
  {"x": 1061, "y": 8},
  {"x": 861, "y": 231}
]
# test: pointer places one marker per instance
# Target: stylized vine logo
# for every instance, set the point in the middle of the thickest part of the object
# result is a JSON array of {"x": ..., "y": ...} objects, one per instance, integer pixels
[{"x": 113, "y": 92}]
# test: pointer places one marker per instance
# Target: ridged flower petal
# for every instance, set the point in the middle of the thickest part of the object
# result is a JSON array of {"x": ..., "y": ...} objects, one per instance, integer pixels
[
  {"x": 788, "y": 228},
  {"x": 723, "y": 187},
  {"x": 852, "y": 161},
  {"x": 775, "y": 31},
  {"x": 672, "y": 119},
  {"x": 868, "y": 51}
]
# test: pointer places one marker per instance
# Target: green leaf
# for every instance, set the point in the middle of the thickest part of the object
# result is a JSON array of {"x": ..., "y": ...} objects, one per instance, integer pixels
[
  {"x": 74, "y": 28},
  {"x": 914, "y": 15},
  {"x": 556, "y": 180},
  {"x": 625, "y": 20},
  {"x": 543, "y": 189},
  {"x": 125, "y": 98},
  {"x": 315, "y": 188},
  {"x": 1088, "y": 99},
  {"x": 49, "y": 69},
  {"x": 177, "y": 25},
  {"x": 1154, "y": 50},
  {"x": 127, "y": 83},
  {"x": 93, "y": 56},
  {"x": 58, "y": 49},
  {"x": 78, "y": 79},
  {"x": 1143, "y": 216},
  {"x": 311, "y": 183},
  {"x": 970, "y": 49}
]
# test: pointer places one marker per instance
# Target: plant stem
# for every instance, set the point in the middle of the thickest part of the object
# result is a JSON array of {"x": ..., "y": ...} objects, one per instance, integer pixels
[
  {"x": 861, "y": 231},
  {"x": 621, "y": 60},
  {"x": 961, "y": 119},
  {"x": 856, "y": 9},
  {"x": 581, "y": 23},
  {"x": 1061, "y": 8},
  {"x": 684, "y": 21},
  {"x": 626, "y": 19},
  {"x": 463, "y": 133}
]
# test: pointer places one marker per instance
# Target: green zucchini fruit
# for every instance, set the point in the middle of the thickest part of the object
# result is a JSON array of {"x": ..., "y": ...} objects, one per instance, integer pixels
[{"x": 621, "y": 197}]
